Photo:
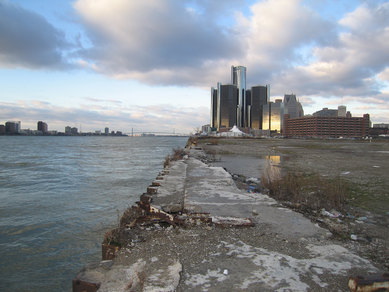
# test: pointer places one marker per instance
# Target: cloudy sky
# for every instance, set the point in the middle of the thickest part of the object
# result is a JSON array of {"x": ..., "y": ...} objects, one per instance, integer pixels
[{"x": 149, "y": 65}]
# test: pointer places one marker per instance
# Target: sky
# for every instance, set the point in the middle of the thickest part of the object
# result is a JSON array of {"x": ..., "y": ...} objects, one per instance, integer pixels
[{"x": 149, "y": 65}]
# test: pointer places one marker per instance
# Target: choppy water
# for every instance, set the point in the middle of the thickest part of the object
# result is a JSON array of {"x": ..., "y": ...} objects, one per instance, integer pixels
[{"x": 58, "y": 196}]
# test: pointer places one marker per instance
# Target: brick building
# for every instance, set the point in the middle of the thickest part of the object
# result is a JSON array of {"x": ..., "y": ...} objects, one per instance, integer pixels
[{"x": 327, "y": 127}]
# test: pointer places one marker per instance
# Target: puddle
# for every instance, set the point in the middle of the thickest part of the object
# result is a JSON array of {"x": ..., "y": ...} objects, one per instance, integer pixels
[{"x": 249, "y": 166}]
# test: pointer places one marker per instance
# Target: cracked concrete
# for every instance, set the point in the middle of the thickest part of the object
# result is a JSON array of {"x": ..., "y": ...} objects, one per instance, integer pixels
[{"x": 282, "y": 251}]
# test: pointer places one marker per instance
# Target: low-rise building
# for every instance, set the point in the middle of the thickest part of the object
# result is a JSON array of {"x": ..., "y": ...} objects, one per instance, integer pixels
[{"x": 327, "y": 127}]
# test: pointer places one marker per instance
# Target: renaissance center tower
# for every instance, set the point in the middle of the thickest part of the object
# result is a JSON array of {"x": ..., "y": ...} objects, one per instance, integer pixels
[{"x": 238, "y": 78}]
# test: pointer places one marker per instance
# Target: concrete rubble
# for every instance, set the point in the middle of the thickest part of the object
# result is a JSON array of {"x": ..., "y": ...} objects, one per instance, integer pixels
[{"x": 199, "y": 232}]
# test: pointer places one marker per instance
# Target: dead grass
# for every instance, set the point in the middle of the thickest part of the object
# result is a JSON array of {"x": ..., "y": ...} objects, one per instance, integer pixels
[
  {"x": 214, "y": 141},
  {"x": 307, "y": 190},
  {"x": 178, "y": 154},
  {"x": 115, "y": 236}
]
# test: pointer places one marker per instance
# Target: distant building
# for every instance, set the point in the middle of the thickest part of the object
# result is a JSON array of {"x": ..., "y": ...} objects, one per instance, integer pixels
[
  {"x": 12, "y": 128},
  {"x": 327, "y": 127},
  {"x": 382, "y": 125},
  {"x": 325, "y": 112},
  {"x": 206, "y": 129},
  {"x": 42, "y": 126},
  {"x": 18, "y": 126},
  {"x": 292, "y": 107},
  {"x": 106, "y": 131},
  {"x": 273, "y": 115},
  {"x": 74, "y": 131},
  {"x": 2, "y": 130},
  {"x": 342, "y": 111}
]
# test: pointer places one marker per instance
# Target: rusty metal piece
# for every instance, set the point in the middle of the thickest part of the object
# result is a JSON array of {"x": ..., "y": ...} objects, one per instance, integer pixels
[
  {"x": 152, "y": 190},
  {"x": 109, "y": 251},
  {"x": 369, "y": 283},
  {"x": 232, "y": 221},
  {"x": 161, "y": 215},
  {"x": 153, "y": 213},
  {"x": 83, "y": 286}
]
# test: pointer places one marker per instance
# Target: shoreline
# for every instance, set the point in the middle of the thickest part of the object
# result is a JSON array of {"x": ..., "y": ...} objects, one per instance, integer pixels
[{"x": 173, "y": 210}]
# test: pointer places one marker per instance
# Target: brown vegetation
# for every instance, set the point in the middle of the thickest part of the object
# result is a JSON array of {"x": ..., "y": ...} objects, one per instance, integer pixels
[
  {"x": 308, "y": 190},
  {"x": 177, "y": 154},
  {"x": 115, "y": 237}
]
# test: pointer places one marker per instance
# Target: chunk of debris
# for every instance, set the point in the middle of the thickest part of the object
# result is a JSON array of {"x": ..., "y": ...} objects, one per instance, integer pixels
[
  {"x": 369, "y": 283},
  {"x": 232, "y": 221}
]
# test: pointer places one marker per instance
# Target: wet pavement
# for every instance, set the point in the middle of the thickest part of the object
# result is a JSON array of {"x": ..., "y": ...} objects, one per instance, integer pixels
[{"x": 281, "y": 250}]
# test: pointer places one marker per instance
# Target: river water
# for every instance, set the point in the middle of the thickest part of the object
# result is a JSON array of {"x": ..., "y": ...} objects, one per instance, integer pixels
[{"x": 59, "y": 195}]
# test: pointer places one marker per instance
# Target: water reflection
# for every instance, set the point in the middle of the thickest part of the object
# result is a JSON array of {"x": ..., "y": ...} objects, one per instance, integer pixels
[
  {"x": 272, "y": 170},
  {"x": 274, "y": 159},
  {"x": 249, "y": 166}
]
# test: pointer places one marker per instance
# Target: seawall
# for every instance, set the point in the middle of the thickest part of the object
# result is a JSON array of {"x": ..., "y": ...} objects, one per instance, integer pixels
[{"x": 195, "y": 230}]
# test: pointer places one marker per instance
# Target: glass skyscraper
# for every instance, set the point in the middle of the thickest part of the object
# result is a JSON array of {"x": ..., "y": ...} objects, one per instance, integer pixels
[
  {"x": 238, "y": 78},
  {"x": 259, "y": 97},
  {"x": 226, "y": 106}
]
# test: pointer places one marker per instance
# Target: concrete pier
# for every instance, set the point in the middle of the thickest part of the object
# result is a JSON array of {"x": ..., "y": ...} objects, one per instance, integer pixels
[{"x": 205, "y": 234}]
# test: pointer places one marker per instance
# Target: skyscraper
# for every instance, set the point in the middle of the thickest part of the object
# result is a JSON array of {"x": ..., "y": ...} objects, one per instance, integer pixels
[
  {"x": 232, "y": 104},
  {"x": 238, "y": 78},
  {"x": 226, "y": 106},
  {"x": 292, "y": 107},
  {"x": 214, "y": 108},
  {"x": 259, "y": 97},
  {"x": 273, "y": 116}
]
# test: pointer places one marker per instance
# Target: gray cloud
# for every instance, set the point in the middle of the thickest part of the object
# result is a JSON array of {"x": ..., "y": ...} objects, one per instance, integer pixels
[
  {"x": 28, "y": 40},
  {"x": 354, "y": 66},
  {"x": 160, "y": 38},
  {"x": 195, "y": 42}
]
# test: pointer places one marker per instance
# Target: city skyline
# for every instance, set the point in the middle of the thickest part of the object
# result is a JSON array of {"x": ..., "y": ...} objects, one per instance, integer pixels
[{"x": 149, "y": 64}]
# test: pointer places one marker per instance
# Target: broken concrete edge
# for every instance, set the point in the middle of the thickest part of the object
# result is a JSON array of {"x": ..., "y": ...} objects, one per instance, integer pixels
[
  {"x": 84, "y": 286},
  {"x": 149, "y": 214}
]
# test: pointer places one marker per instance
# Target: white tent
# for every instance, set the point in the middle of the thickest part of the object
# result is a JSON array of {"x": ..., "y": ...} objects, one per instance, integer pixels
[{"x": 234, "y": 132}]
